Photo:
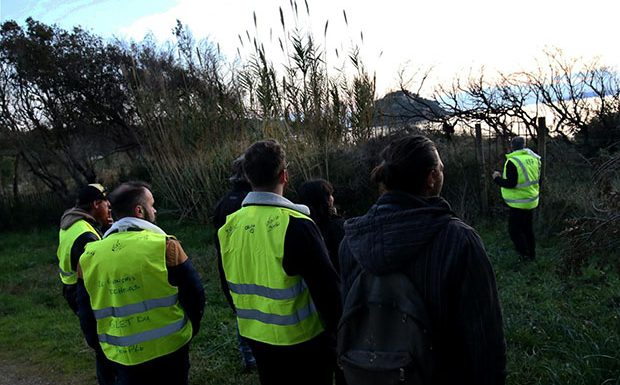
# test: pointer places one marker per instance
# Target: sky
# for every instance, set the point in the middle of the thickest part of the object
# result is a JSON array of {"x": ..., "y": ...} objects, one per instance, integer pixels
[{"x": 453, "y": 37}]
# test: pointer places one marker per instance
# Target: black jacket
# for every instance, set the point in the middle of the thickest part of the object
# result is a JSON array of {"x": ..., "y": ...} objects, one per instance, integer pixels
[
  {"x": 447, "y": 262},
  {"x": 511, "y": 176},
  {"x": 333, "y": 232},
  {"x": 230, "y": 203}
]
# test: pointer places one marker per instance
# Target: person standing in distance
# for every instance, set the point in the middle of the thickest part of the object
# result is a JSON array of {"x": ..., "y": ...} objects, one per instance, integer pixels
[
  {"x": 140, "y": 300},
  {"x": 412, "y": 230},
  {"x": 78, "y": 226},
  {"x": 317, "y": 194},
  {"x": 520, "y": 185},
  {"x": 283, "y": 286},
  {"x": 230, "y": 203}
]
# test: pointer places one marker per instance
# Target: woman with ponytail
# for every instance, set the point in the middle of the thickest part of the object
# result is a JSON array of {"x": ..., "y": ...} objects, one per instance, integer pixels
[{"x": 412, "y": 230}]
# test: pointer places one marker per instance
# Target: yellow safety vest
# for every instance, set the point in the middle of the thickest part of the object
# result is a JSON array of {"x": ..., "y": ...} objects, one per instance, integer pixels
[
  {"x": 525, "y": 194},
  {"x": 272, "y": 307},
  {"x": 66, "y": 239},
  {"x": 137, "y": 311}
]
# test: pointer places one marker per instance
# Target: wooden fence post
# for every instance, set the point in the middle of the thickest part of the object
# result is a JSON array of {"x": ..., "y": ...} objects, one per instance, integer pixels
[
  {"x": 542, "y": 151},
  {"x": 484, "y": 198},
  {"x": 542, "y": 146}
]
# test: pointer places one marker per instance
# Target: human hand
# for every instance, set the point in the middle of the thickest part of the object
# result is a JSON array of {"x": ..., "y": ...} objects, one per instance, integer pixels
[{"x": 496, "y": 174}]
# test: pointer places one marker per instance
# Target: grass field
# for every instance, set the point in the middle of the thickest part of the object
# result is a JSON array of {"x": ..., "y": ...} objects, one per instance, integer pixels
[{"x": 558, "y": 330}]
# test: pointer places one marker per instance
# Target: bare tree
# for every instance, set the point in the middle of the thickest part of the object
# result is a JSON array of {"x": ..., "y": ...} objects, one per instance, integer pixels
[
  {"x": 577, "y": 92},
  {"x": 580, "y": 95}
]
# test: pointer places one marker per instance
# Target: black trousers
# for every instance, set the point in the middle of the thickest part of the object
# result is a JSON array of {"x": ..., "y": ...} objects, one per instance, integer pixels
[
  {"x": 308, "y": 363},
  {"x": 171, "y": 369},
  {"x": 521, "y": 230},
  {"x": 106, "y": 370}
]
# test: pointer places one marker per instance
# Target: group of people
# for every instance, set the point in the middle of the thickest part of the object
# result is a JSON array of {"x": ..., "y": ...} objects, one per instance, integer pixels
[
  {"x": 292, "y": 274},
  {"x": 138, "y": 297}
]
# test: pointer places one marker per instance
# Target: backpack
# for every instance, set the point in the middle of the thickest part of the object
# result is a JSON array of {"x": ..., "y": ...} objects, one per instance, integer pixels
[{"x": 384, "y": 334}]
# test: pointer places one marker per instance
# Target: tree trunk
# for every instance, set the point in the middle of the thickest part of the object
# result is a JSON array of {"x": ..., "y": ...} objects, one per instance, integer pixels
[
  {"x": 542, "y": 151},
  {"x": 16, "y": 178},
  {"x": 542, "y": 146}
]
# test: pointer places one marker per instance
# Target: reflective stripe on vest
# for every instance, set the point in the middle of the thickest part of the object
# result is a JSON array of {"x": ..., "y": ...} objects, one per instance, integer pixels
[
  {"x": 135, "y": 308},
  {"x": 275, "y": 319},
  {"x": 137, "y": 311},
  {"x": 268, "y": 292},
  {"x": 525, "y": 194},
  {"x": 66, "y": 239},
  {"x": 272, "y": 307},
  {"x": 148, "y": 335},
  {"x": 522, "y": 200},
  {"x": 66, "y": 274},
  {"x": 527, "y": 182}
]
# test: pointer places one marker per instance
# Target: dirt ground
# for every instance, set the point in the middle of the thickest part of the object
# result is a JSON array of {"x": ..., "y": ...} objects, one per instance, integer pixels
[
  {"x": 14, "y": 375},
  {"x": 24, "y": 374}
]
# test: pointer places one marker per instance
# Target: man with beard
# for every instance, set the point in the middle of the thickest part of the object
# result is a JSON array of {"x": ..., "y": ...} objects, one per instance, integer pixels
[{"x": 140, "y": 300}]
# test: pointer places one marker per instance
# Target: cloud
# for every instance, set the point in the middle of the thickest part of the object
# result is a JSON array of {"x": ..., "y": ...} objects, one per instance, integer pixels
[
  {"x": 451, "y": 36},
  {"x": 220, "y": 24},
  {"x": 202, "y": 17},
  {"x": 52, "y": 11},
  {"x": 158, "y": 24}
]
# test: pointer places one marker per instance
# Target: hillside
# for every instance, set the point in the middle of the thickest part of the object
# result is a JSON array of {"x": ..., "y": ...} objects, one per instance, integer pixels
[{"x": 404, "y": 108}]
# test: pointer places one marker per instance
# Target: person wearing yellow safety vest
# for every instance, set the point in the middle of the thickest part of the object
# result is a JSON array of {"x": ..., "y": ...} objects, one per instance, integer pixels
[
  {"x": 79, "y": 226},
  {"x": 520, "y": 185},
  {"x": 284, "y": 289},
  {"x": 140, "y": 300}
]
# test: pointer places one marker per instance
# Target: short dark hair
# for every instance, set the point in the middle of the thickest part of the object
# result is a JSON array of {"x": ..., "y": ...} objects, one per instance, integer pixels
[
  {"x": 517, "y": 143},
  {"x": 406, "y": 163},
  {"x": 263, "y": 162},
  {"x": 126, "y": 197},
  {"x": 237, "y": 174}
]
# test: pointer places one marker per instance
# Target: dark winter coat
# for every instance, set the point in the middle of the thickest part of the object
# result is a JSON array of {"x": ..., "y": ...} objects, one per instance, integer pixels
[{"x": 446, "y": 261}]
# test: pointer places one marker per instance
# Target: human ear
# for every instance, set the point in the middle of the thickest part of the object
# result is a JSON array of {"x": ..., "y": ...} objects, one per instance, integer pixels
[
  {"x": 139, "y": 211},
  {"x": 95, "y": 205},
  {"x": 284, "y": 177}
]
